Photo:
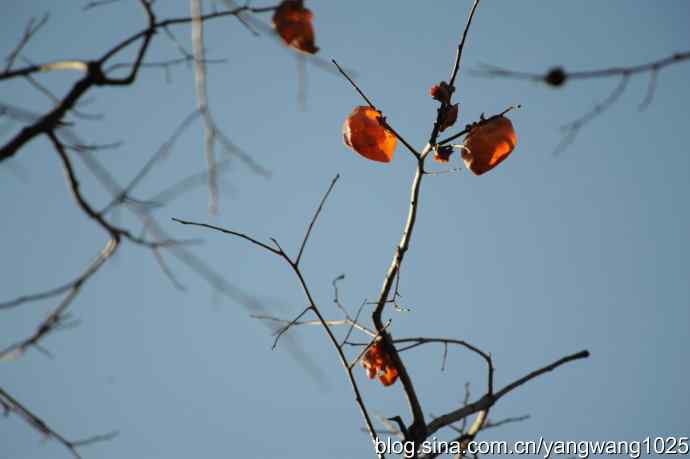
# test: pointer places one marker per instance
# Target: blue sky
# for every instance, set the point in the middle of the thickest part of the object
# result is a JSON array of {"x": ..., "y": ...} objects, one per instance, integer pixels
[{"x": 542, "y": 257}]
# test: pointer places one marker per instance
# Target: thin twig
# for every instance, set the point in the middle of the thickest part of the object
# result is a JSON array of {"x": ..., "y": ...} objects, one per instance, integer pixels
[
  {"x": 312, "y": 306},
  {"x": 461, "y": 46},
  {"x": 12, "y": 405},
  {"x": 489, "y": 400},
  {"x": 313, "y": 220},
  {"x": 29, "y": 31},
  {"x": 382, "y": 119}
]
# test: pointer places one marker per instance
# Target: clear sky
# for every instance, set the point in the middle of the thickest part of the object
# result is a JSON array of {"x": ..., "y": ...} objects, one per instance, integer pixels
[{"x": 542, "y": 257}]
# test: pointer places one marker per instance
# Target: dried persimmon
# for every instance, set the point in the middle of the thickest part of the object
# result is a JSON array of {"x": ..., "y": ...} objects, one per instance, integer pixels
[
  {"x": 488, "y": 143},
  {"x": 442, "y": 153},
  {"x": 440, "y": 92},
  {"x": 448, "y": 118},
  {"x": 292, "y": 21},
  {"x": 365, "y": 134},
  {"x": 378, "y": 363}
]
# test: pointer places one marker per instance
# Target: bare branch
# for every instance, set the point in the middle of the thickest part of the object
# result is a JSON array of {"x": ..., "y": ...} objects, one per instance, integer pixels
[
  {"x": 96, "y": 3},
  {"x": 573, "y": 128},
  {"x": 490, "y": 425},
  {"x": 488, "y": 400},
  {"x": 415, "y": 342},
  {"x": 312, "y": 306},
  {"x": 11, "y": 405},
  {"x": 548, "y": 77},
  {"x": 461, "y": 46},
  {"x": 287, "y": 326},
  {"x": 481, "y": 121},
  {"x": 313, "y": 220},
  {"x": 31, "y": 29},
  {"x": 57, "y": 316},
  {"x": 557, "y": 77},
  {"x": 227, "y": 231},
  {"x": 202, "y": 102},
  {"x": 95, "y": 75}
]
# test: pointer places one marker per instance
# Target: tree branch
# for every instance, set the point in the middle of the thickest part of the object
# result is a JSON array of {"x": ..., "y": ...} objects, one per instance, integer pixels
[{"x": 488, "y": 400}]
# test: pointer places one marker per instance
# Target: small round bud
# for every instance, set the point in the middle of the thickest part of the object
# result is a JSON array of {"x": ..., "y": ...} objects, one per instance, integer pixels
[{"x": 555, "y": 77}]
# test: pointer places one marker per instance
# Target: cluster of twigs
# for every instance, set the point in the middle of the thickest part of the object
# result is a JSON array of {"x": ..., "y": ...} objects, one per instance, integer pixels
[{"x": 419, "y": 429}]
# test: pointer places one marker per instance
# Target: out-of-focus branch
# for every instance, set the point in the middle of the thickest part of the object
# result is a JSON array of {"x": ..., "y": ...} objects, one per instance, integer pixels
[
  {"x": 30, "y": 30},
  {"x": 96, "y": 3},
  {"x": 202, "y": 102},
  {"x": 96, "y": 75},
  {"x": 57, "y": 316},
  {"x": 557, "y": 77},
  {"x": 571, "y": 129},
  {"x": 11, "y": 405}
]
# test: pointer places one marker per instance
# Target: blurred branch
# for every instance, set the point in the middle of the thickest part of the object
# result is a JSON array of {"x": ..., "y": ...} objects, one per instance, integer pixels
[
  {"x": 30, "y": 30},
  {"x": 57, "y": 316},
  {"x": 573, "y": 128},
  {"x": 202, "y": 102},
  {"x": 96, "y": 75},
  {"x": 11, "y": 405},
  {"x": 96, "y": 3},
  {"x": 557, "y": 77}
]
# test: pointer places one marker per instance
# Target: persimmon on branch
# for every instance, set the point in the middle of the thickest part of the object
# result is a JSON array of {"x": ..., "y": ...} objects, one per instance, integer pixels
[
  {"x": 368, "y": 132},
  {"x": 487, "y": 143},
  {"x": 557, "y": 77}
]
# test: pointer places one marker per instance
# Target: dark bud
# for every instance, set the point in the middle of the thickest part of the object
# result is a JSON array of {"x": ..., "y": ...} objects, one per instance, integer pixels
[
  {"x": 556, "y": 77},
  {"x": 441, "y": 92},
  {"x": 442, "y": 153}
]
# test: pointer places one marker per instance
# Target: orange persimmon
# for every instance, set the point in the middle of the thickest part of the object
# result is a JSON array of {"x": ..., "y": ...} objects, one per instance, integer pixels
[
  {"x": 378, "y": 363},
  {"x": 292, "y": 21},
  {"x": 363, "y": 132},
  {"x": 389, "y": 376},
  {"x": 488, "y": 143}
]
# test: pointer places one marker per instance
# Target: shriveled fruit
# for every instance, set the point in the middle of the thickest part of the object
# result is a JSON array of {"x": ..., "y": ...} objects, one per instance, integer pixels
[
  {"x": 449, "y": 118},
  {"x": 292, "y": 21},
  {"x": 442, "y": 153},
  {"x": 363, "y": 132},
  {"x": 377, "y": 362},
  {"x": 488, "y": 143}
]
